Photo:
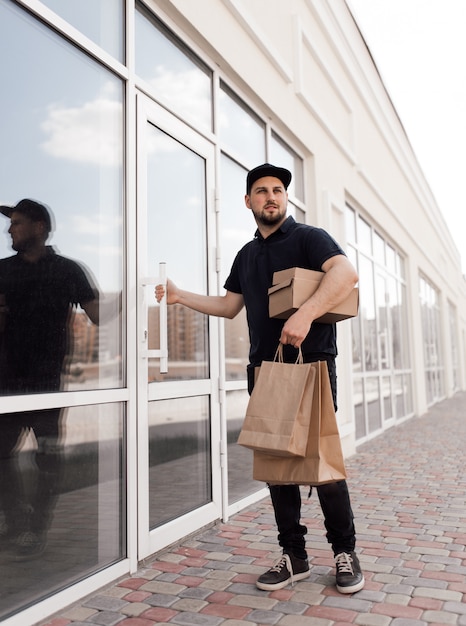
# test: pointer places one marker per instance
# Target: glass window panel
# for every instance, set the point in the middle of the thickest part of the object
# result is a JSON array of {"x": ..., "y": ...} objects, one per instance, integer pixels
[
  {"x": 454, "y": 356},
  {"x": 62, "y": 145},
  {"x": 403, "y": 322},
  {"x": 367, "y": 312},
  {"x": 382, "y": 321},
  {"x": 387, "y": 398},
  {"x": 100, "y": 20},
  {"x": 179, "y": 457},
  {"x": 176, "y": 75},
  {"x": 391, "y": 259},
  {"x": 374, "y": 413},
  {"x": 364, "y": 236},
  {"x": 408, "y": 393},
  {"x": 63, "y": 488},
  {"x": 402, "y": 391},
  {"x": 177, "y": 222},
  {"x": 283, "y": 156},
  {"x": 432, "y": 340},
  {"x": 240, "y": 129},
  {"x": 379, "y": 249},
  {"x": 356, "y": 345},
  {"x": 350, "y": 225},
  {"x": 359, "y": 408},
  {"x": 240, "y": 481},
  {"x": 352, "y": 255},
  {"x": 236, "y": 229}
]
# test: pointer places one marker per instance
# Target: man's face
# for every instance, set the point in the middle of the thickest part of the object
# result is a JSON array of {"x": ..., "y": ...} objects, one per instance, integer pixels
[
  {"x": 268, "y": 201},
  {"x": 25, "y": 233}
]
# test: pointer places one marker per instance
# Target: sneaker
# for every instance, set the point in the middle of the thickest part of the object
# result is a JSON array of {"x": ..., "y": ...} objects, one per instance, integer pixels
[
  {"x": 286, "y": 569},
  {"x": 29, "y": 545},
  {"x": 349, "y": 576}
]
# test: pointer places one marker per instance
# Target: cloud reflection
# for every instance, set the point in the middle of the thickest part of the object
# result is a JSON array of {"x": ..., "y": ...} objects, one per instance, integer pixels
[{"x": 90, "y": 133}]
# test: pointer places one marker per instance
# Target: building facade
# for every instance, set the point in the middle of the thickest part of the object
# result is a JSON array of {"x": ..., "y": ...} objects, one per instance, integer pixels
[{"x": 135, "y": 122}]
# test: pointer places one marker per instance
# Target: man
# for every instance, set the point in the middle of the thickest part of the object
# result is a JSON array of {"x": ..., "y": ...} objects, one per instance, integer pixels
[
  {"x": 281, "y": 243},
  {"x": 38, "y": 290}
]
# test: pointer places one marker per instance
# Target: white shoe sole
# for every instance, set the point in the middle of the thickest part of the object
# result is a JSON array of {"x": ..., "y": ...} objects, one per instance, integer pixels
[
  {"x": 283, "y": 584},
  {"x": 357, "y": 587}
]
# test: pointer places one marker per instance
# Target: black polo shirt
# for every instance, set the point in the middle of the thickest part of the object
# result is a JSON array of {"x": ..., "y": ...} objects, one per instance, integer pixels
[
  {"x": 39, "y": 297},
  {"x": 292, "y": 245}
]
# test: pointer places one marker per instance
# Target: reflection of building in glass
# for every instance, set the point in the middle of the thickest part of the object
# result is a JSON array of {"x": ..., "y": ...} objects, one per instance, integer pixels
[
  {"x": 187, "y": 342},
  {"x": 92, "y": 353},
  {"x": 186, "y": 333}
]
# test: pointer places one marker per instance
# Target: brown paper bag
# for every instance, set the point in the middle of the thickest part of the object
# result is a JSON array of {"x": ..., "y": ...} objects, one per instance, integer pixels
[
  {"x": 279, "y": 409},
  {"x": 323, "y": 462}
]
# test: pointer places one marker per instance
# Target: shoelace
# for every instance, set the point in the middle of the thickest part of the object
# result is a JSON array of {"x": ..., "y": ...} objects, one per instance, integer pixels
[
  {"x": 283, "y": 561},
  {"x": 344, "y": 563}
]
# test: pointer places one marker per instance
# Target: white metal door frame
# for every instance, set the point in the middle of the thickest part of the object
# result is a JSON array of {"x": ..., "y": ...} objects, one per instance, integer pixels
[{"x": 150, "y": 542}]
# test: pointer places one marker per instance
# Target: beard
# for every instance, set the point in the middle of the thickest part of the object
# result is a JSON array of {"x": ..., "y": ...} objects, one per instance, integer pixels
[{"x": 269, "y": 219}]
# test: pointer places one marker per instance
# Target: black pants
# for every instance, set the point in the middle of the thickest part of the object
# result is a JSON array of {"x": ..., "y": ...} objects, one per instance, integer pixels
[
  {"x": 336, "y": 508},
  {"x": 29, "y": 507},
  {"x": 334, "y": 500}
]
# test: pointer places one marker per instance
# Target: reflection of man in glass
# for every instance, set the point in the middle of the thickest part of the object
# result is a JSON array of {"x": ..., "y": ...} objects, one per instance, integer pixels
[{"x": 38, "y": 290}]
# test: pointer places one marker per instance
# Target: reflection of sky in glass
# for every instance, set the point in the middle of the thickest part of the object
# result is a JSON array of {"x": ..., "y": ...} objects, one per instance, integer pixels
[
  {"x": 237, "y": 225},
  {"x": 62, "y": 142},
  {"x": 100, "y": 20},
  {"x": 176, "y": 204},
  {"x": 175, "y": 77},
  {"x": 241, "y": 130}
]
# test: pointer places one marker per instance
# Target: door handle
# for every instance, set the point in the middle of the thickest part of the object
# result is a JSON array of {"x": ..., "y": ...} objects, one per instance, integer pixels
[{"x": 162, "y": 352}]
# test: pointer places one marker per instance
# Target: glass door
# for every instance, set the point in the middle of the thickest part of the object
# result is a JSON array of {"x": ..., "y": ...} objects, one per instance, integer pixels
[{"x": 178, "y": 407}]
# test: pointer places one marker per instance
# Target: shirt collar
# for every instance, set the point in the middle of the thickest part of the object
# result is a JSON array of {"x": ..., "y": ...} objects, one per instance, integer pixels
[{"x": 284, "y": 228}]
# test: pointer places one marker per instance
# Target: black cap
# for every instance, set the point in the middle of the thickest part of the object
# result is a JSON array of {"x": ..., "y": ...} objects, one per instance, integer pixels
[
  {"x": 267, "y": 170},
  {"x": 31, "y": 209}
]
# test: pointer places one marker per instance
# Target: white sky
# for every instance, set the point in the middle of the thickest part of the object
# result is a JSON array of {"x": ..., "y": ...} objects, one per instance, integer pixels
[{"x": 419, "y": 47}]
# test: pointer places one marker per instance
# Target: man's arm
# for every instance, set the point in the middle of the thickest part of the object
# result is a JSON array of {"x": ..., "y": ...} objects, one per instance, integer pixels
[
  {"x": 228, "y": 305},
  {"x": 339, "y": 279},
  {"x": 101, "y": 311}
]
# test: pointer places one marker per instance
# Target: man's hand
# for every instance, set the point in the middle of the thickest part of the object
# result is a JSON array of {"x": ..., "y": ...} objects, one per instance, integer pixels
[
  {"x": 296, "y": 329},
  {"x": 171, "y": 291}
]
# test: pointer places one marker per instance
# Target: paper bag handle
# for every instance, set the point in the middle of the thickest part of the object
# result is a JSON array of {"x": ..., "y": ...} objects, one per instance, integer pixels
[{"x": 279, "y": 355}]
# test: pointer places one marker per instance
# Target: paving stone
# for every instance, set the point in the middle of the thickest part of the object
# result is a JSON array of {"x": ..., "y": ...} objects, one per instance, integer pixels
[
  {"x": 264, "y": 617},
  {"x": 348, "y": 602},
  {"x": 439, "y": 594},
  {"x": 105, "y": 603},
  {"x": 106, "y": 618},
  {"x": 370, "y": 619},
  {"x": 455, "y": 607},
  {"x": 159, "y": 599},
  {"x": 189, "y": 604},
  {"x": 134, "y": 609},
  {"x": 304, "y": 620},
  {"x": 440, "y": 617},
  {"x": 195, "y": 619},
  {"x": 264, "y": 603},
  {"x": 290, "y": 607},
  {"x": 402, "y": 589},
  {"x": 399, "y": 621}
]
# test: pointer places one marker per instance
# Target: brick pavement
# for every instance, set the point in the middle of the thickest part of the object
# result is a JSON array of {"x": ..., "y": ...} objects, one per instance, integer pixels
[{"x": 408, "y": 494}]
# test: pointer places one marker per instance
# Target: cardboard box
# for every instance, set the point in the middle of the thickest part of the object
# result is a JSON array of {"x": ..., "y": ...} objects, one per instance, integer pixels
[{"x": 294, "y": 286}]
